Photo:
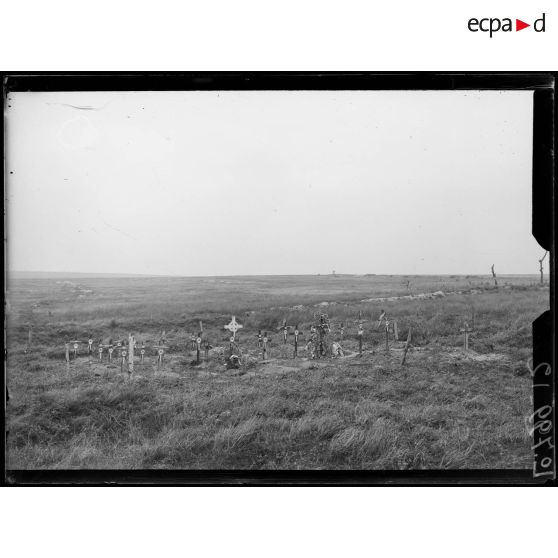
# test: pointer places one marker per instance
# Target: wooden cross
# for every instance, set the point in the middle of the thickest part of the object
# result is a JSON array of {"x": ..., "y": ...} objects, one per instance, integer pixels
[
  {"x": 264, "y": 352},
  {"x": 131, "y": 346},
  {"x": 466, "y": 330},
  {"x": 160, "y": 355},
  {"x": 123, "y": 353},
  {"x": 382, "y": 316},
  {"x": 198, "y": 346},
  {"x": 233, "y": 326}
]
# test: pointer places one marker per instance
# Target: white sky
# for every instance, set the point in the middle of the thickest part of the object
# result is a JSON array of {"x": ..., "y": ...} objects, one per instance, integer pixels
[{"x": 278, "y": 182}]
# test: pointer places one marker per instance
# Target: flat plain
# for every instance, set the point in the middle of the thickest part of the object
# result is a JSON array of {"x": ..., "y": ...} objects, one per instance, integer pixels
[{"x": 445, "y": 408}]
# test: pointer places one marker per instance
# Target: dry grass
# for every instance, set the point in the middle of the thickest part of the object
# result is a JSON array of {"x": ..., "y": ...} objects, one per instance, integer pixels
[{"x": 445, "y": 409}]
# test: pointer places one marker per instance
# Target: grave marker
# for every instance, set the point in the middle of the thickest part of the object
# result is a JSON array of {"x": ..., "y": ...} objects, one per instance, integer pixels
[
  {"x": 110, "y": 353},
  {"x": 342, "y": 330},
  {"x": 142, "y": 353},
  {"x": 131, "y": 345},
  {"x": 123, "y": 358},
  {"x": 67, "y": 347},
  {"x": 160, "y": 357},
  {"x": 387, "y": 335},
  {"x": 100, "y": 353},
  {"x": 198, "y": 347},
  {"x": 296, "y": 341},
  {"x": 360, "y": 334},
  {"x": 233, "y": 327},
  {"x": 206, "y": 348},
  {"x": 90, "y": 347},
  {"x": 264, "y": 352},
  {"x": 466, "y": 330},
  {"x": 382, "y": 316},
  {"x": 260, "y": 339},
  {"x": 395, "y": 332}
]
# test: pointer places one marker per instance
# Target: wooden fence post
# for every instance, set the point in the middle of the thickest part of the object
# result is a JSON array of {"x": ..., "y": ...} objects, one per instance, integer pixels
[
  {"x": 360, "y": 334},
  {"x": 264, "y": 352},
  {"x": 67, "y": 346},
  {"x": 406, "y": 347}
]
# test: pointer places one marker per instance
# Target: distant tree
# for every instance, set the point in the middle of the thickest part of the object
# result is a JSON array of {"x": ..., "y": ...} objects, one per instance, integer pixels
[
  {"x": 407, "y": 283},
  {"x": 541, "y": 267},
  {"x": 494, "y": 275}
]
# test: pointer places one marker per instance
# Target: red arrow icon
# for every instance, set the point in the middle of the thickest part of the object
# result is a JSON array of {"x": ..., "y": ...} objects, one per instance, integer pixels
[{"x": 519, "y": 25}]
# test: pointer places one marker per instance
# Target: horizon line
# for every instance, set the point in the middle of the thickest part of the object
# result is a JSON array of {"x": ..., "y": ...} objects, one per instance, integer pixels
[{"x": 123, "y": 274}]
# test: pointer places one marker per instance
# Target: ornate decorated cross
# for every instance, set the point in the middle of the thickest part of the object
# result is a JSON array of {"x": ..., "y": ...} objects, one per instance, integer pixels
[
  {"x": 233, "y": 326},
  {"x": 75, "y": 345}
]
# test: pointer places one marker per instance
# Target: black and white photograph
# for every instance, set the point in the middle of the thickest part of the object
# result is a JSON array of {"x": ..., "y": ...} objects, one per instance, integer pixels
[{"x": 277, "y": 280}]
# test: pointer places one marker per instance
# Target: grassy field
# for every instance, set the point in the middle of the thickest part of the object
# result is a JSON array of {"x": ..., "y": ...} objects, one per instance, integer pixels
[{"x": 445, "y": 408}]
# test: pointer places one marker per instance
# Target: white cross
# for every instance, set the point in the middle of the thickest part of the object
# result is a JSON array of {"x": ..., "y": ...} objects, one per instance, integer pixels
[{"x": 233, "y": 327}]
